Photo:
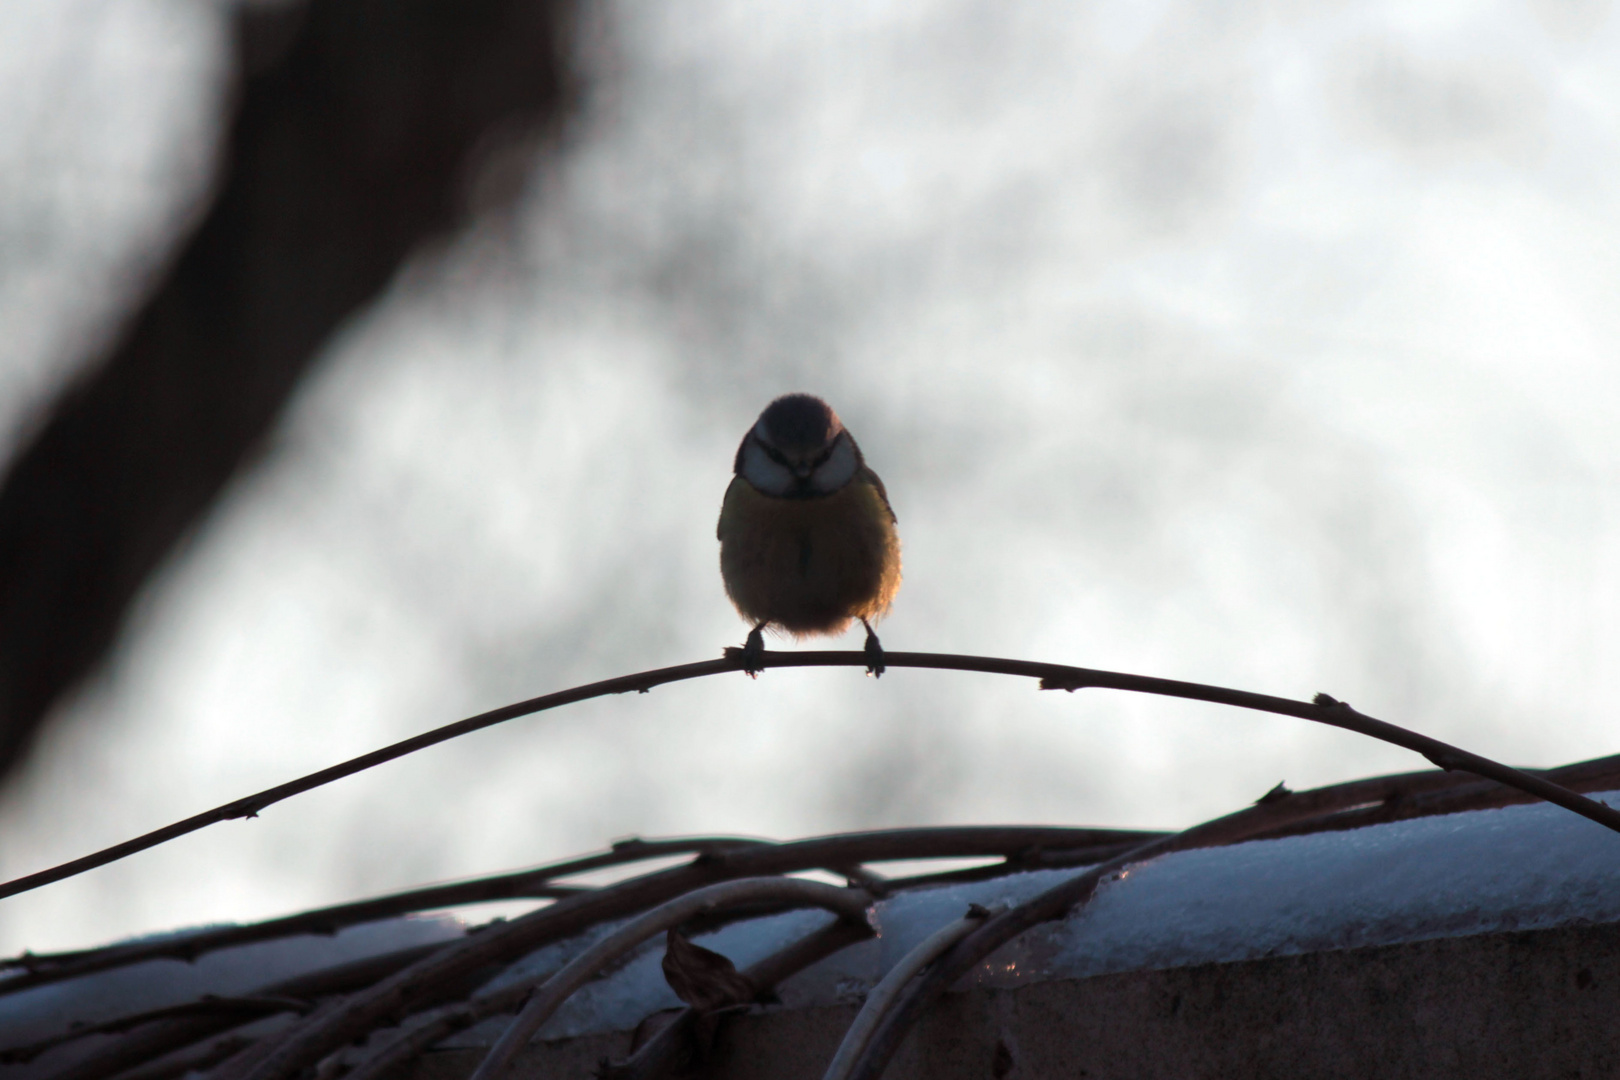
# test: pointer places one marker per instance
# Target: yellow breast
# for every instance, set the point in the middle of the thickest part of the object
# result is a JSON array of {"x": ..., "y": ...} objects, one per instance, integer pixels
[{"x": 809, "y": 566}]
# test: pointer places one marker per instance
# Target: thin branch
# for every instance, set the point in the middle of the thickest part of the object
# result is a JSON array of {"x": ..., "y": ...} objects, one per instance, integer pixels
[
  {"x": 431, "y": 1028},
  {"x": 534, "y": 883},
  {"x": 1025, "y": 847},
  {"x": 1276, "y": 809},
  {"x": 882, "y": 996},
  {"x": 662, "y": 1053},
  {"x": 314, "y": 1038},
  {"x": 168, "y": 1037},
  {"x": 195, "y": 1058},
  {"x": 1465, "y": 794},
  {"x": 251, "y": 806},
  {"x": 162, "y": 1037},
  {"x": 849, "y": 904},
  {"x": 233, "y": 1009},
  {"x": 1395, "y": 797},
  {"x": 560, "y": 984},
  {"x": 937, "y": 841},
  {"x": 1420, "y": 794},
  {"x": 1323, "y": 710}
]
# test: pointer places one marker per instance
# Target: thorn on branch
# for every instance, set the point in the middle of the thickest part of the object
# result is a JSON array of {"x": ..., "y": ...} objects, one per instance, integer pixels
[
  {"x": 1275, "y": 795},
  {"x": 244, "y": 809},
  {"x": 1063, "y": 682},
  {"x": 1327, "y": 701}
]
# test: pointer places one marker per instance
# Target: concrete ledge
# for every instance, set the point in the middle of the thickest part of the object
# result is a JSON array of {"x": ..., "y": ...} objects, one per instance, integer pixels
[{"x": 1515, "y": 1006}]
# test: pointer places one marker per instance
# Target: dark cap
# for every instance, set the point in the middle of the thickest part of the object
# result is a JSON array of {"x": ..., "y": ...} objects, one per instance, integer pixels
[{"x": 799, "y": 420}]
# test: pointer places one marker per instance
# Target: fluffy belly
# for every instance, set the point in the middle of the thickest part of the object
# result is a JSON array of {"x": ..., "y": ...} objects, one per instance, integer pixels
[{"x": 809, "y": 566}]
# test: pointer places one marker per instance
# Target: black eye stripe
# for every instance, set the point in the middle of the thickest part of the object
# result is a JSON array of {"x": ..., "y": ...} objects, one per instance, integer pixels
[{"x": 778, "y": 457}]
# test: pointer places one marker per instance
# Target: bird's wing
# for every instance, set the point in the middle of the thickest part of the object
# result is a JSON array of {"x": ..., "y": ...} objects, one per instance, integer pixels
[{"x": 872, "y": 478}]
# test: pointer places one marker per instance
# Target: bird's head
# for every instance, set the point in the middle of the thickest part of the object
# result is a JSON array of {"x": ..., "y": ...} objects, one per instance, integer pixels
[{"x": 798, "y": 448}]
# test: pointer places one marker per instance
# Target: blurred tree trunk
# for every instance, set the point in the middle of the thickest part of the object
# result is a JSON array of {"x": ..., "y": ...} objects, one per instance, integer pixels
[{"x": 350, "y": 144}]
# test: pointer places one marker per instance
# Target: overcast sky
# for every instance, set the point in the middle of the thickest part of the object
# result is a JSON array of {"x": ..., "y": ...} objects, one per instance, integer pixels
[{"x": 1270, "y": 345}]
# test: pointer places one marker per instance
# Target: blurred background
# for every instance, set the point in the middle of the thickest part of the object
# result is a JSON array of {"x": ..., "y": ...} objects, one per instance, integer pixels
[{"x": 1268, "y": 344}]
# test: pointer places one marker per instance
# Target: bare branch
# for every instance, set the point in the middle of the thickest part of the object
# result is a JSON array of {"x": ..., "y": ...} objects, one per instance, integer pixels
[
  {"x": 234, "y": 1009},
  {"x": 153, "y": 1040},
  {"x": 536, "y": 883},
  {"x": 849, "y": 904},
  {"x": 400, "y": 994},
  {"x": 1324, "y": 710},
  {"x": 882, "y": 996},
  {"x": 664, "y": 1051},
  {"x": 1266, "y": 816}
]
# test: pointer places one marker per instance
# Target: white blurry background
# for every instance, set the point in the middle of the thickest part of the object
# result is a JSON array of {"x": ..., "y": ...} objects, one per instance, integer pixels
[{"x": 1272, "y": 345}]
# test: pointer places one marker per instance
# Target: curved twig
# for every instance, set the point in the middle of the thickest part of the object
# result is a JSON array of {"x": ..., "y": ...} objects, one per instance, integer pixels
[
  {"x": 234, "y": 1009},
  {"x": 1323, "y": 710},
  {"x": 198, "y": 1057},
  {"x": 312, "y": 1039},
  {"x": 251, "y": 805},
  {"x": 1464, "y": 794},
  {"x": 1024, "y": 847},
  {"x": 849, "y": 904},
  {"x": 41, "y": 968},
  {"x": 149, "y": 1042},
  {"x": 663, "y": 1052},
  {"x": 878, "y": 1001},
  {"x": 654, "y": 1058},
  {"x": 1276, "y": 810},
  {"x": 447, "y": 1021}
]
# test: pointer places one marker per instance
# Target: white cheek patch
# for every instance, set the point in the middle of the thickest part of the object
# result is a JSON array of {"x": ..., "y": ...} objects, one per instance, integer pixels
[
  {"x": 766, "y": 475},
  {"x": 838, "y": 469}
]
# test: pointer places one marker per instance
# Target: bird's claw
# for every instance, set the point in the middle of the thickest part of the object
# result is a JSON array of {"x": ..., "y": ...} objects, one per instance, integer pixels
[
  {"x": 874, "y": 653},
  {"x": 752, "y": 654}
]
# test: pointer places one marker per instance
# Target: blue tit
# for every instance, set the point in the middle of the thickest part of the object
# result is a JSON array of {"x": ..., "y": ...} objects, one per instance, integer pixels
[{"x": 807, "y": 537}]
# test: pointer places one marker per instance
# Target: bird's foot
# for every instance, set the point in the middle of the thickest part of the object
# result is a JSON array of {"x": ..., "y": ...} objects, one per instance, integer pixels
[
  {"x": 752, "y": 654},
  {"x": 874, "y": 653}
]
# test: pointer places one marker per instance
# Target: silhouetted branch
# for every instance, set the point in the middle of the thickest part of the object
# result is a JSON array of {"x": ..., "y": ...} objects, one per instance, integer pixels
[
  {"x": 431, "y": 1029},
  {"x": 1324, "y": 710},
  {"x": 664, "y": 1051},
  {"x": 880, "y": 998},
  {"x": 234, "y": 1009},
  {"x": 355, "y": 138},
  {"x": 191, "y": 1058},
  {"x": 1019, "y": 842},
  {"x": 849, "y": 904},
  {"x": 158, "y": 1038},
  {"x": 1277, "y": 809},
  {"x": 437, "y": 981},
  {"x": 315, "y": 1037},
  {"x": 253, "y": 804},
  {"x": 536, "y": 883},
  {"x": 1463, "y": 794},
  {"x": 446, "y": 1021}
]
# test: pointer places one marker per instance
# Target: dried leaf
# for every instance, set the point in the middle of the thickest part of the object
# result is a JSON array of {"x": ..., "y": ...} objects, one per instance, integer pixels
[{"x": 702, "y": 978}]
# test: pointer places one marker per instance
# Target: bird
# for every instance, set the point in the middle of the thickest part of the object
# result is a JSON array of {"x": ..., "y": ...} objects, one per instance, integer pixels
[{"x": 807, "y": 536}]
